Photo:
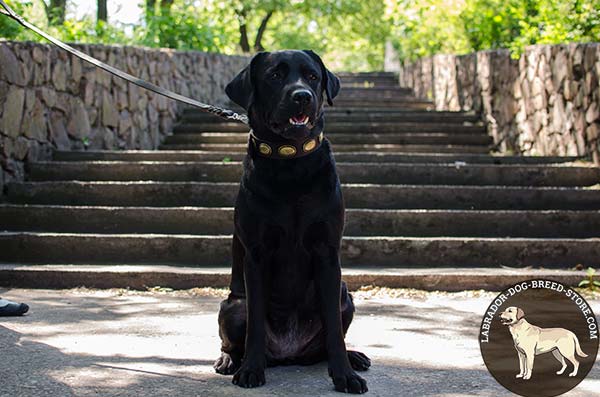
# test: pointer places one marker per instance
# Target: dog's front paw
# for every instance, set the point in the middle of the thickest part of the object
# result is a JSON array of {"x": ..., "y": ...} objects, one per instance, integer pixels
[
  {"x": 249, "y": 376},
  {"x": 226, "y": 365},
  {"x": 349, "y": 382},
  {"x": 527, "y": 376},
  {"x": 519, "y": 376}
]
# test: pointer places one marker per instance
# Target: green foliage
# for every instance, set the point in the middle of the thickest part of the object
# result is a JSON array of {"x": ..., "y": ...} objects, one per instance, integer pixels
[
  {"x": 494, "y": 23},
  {"x": 349, "y": 34},
  {"x": 515, "y": 24},
  {"x": 87, "y": 30},
  {"x": 590, "y": 282},
  {"x": 426, "y": 27},
  {"x": 184, "y": 28},
  {"x": 10, "y": 29}
]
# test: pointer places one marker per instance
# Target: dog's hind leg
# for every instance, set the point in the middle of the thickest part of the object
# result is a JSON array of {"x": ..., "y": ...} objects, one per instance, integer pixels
[
  {"x": 575, "y": 363},
  {"x": 359, "y": 361},
  {"x": 566, "y": 347},
  {"x": 561, "y": 360},
  {"x": 232, "y": 316},
  {"x": 232, "y": 330}
]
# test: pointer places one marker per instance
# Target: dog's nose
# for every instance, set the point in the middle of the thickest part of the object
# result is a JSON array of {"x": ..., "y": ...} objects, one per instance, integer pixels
[{"x": 302, "y": 96}]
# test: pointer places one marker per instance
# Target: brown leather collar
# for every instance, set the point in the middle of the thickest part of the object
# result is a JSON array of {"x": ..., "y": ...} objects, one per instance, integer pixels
[{"x": 285, "y": 150}]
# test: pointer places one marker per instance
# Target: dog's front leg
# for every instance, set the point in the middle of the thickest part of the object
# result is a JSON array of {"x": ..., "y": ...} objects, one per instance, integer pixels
[
  {"x": 328, "y": 280},
  {"x": 521, "y": 364},
  {"x": 529, "y": 358},
  {"x": 252, "y": 371}
]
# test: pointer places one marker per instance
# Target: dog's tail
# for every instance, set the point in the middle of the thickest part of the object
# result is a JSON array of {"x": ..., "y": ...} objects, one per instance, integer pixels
[{"x": 578, "y": 348}]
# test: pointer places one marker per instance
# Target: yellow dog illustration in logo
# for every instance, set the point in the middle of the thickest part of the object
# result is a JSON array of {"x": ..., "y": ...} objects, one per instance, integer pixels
[{"x": 531, "y": 340}]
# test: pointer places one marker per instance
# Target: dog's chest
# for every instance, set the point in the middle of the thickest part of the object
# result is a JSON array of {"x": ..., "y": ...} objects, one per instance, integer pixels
[{"x": 291, "y": 276}]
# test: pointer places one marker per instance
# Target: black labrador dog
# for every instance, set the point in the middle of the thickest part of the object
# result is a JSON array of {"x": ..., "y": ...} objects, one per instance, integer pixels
[{"x": 288, "y": 304}]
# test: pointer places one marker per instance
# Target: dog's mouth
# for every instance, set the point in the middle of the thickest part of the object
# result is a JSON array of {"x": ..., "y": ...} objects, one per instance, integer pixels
[
  {"x": 505, "y": 321},
  {"x": 293, "y": 127},
  {"x": 299, "y": 120}
]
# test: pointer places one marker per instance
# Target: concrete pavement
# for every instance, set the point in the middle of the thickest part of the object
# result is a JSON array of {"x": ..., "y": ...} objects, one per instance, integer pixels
[{"x": 84, "y": 342}]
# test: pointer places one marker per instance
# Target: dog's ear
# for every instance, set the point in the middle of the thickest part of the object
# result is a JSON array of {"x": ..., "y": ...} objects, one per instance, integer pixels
[
  {"x": 520, "y": 313},
  {"x": 331, "y": 84},
  {"x": 241, "y": 89}
]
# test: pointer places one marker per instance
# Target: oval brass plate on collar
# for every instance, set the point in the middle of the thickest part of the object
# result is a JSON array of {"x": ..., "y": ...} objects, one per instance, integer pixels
[
  {"x": 309, "y": 145},
  {"x": 265, "y": 149},
  {"x": 287, "y": 150}
]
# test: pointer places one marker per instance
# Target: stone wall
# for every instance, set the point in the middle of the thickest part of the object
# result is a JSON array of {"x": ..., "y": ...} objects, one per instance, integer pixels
[
  {"x": 52, "y": 100},
  {"x": 544, "y": 103}
]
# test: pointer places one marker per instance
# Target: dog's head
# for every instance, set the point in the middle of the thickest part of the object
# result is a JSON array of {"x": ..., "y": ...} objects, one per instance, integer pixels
[
  {"x": 511, "y": 315},
  {"x": 283, "y": 92}
]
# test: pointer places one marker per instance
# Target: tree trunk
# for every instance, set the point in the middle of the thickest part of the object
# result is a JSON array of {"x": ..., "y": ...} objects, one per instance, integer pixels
[
  {"x": 55, "y": 11},
  {"x": 261, "y": 31},
  {"x": 102, "y": 11},
  {"x": 244, "y": 44}
]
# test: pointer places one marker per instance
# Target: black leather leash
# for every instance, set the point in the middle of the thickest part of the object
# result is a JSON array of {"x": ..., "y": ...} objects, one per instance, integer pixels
[{"x": 217, "y": 111}]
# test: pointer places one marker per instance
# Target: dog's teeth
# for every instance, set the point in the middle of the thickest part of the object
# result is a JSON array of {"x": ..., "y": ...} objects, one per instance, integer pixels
[{"x": 304, "y": 121}]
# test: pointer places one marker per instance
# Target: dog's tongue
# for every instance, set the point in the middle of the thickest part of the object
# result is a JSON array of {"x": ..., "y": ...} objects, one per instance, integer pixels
[{"x": 298, "y": 119}]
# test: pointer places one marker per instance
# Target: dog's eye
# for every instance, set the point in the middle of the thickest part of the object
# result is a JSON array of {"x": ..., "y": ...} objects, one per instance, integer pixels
[
  {"x": 275, "y": 76},
  {"x": 312, "y": 76}
]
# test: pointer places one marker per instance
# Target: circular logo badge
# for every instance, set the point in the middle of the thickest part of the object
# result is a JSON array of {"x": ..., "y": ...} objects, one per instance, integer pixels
[{"x": 539, "y": 338}]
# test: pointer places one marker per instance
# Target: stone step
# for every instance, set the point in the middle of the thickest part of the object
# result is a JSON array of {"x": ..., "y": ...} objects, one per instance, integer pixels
[
  {"x": 222, "y": 194},
  {"x": 407, "y": 138},
  {"x": 410, "y": 104},
  {"x": 368, "y": 82},
  {"x": 202, "y": 251},
  {"x": 377, "y": 94},
  {"x": 387, "y": 173},
  {"x": 140, "y": 277},
  {"x": 382, "y": 92},
  {"x": 359, "y": 222},
  {"x": 365, "y": 111},
  {"x": 398, "y": 157},
  {"x": 346, "y": 74},
  {"x": 401, "y": 103},
  {"x": 356, "y": 129},
  {"x": 349, "y": 110},
  {"x": 339, "y": 110},
  {"x": 335, "y": 116},
  {"x": 373, "y": 94},
  {"x": 367, "y": 76},
  {"x": 339, "y": 148}
]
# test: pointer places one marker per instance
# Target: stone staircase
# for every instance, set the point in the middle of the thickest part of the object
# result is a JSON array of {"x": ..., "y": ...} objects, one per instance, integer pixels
[{"x": 421, "y": 190}]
